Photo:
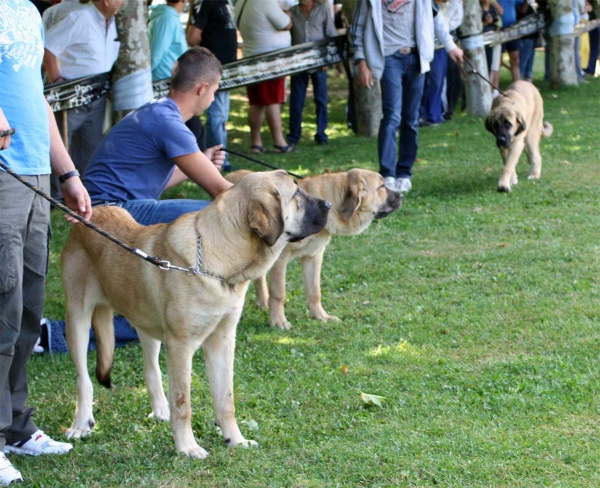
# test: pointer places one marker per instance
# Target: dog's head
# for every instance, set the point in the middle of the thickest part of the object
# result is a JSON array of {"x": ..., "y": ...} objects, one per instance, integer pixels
[
  {"x": 505, "y": 122},
  {"x": 366, "y": 197},
  {"x": 278, "y": 207}
]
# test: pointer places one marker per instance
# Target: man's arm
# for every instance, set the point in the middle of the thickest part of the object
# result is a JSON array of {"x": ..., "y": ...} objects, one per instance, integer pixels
[
  {"x": 51, "y": 67},
  {"x": 4, "y": 125},
  {"x": 441, "y": 32},
  {"x": 75, "y": 194},
  {"x": 194, "y": 36},
  {"x": 202, "y": 171}
]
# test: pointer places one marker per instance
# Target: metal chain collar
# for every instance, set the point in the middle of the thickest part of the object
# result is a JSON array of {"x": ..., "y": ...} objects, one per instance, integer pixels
[{"x": 167, "y": 266}]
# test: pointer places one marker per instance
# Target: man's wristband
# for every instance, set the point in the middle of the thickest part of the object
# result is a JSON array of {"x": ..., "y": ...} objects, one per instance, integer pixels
[
  {"x": 357, "y": 61},
  {"x": 68, "y": 175}
]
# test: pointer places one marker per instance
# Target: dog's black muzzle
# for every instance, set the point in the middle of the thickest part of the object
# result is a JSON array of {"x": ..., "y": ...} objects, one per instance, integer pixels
[
  {"x": 502, "y": 139},
  {"x": 316, "y": 212},
  {"x": 393, "y": 202}
]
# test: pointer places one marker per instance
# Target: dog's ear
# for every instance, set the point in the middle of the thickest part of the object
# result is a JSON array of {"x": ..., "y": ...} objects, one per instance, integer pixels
[
  {"x": 521, "y": 123},
  {"x": 266, "y": 219},
  {"x": 489, "y": 124},
  {"x": 353, "y": 196}
]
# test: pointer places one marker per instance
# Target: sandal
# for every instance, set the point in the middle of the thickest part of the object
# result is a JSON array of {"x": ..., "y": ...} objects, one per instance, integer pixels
[
  {"x": 284, "y": 149},
  {"x": 256, "y": 149}
]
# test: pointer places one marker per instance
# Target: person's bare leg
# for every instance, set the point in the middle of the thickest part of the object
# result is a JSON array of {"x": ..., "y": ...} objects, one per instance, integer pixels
[
  {"x": 513, "y": 57},
  {"x": 274, "y": 120},
  {"x": 256, "y": 114},
  {"x": 494, "y": 78}
]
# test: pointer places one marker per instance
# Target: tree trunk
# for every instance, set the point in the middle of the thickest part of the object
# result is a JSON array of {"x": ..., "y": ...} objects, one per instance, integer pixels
[
  {"x": 367, "y": 103},
  {"x": 131, "y": 76},
  {"x": 562, "y": 53},
  {"x": 479, "y": 94}
]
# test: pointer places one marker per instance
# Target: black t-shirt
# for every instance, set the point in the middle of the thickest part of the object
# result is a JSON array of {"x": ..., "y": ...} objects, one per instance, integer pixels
[{"x": 215, "y": 19}]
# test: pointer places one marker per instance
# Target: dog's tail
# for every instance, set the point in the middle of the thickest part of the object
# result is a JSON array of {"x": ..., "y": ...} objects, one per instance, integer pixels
[
  {"x": 547, "y": 129},
  {"x": 104, "y": 332}
]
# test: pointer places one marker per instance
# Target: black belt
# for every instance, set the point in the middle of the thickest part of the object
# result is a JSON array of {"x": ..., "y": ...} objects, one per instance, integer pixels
[{"x": 106, "y": 203}]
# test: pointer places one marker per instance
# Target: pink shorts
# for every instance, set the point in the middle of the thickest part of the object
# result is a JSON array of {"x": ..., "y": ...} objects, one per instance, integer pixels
[{"x": 267, "y": 92}]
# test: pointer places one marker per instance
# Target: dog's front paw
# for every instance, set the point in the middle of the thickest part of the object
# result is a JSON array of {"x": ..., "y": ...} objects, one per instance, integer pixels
[
  {"x": 533, "y": 177},
  {"x": 195, "y": 452},
  {"x": 262, "y": 304},
  {"x": 504, "y": 188},
  {"x": 282, "y": 324},
  {"x": 80, "y": 429},
  {"x": 160, "y": 415},
  {"x": 325, "y": 317},
  {"x": 246, "y": 443}
]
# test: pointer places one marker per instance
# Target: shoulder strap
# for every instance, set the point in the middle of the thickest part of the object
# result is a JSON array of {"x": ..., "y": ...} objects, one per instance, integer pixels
[{"x": 238, "y": 21}]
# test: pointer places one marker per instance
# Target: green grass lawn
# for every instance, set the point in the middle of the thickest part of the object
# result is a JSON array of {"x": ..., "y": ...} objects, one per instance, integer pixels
[{"x": 475, "y": 314}]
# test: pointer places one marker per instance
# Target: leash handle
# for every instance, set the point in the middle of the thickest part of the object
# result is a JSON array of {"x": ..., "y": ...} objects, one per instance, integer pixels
[{"x": 262, "y": 163}]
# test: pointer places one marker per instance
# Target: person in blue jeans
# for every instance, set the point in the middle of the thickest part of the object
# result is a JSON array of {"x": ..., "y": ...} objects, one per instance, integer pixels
[
  {"x": 213, "y": 27},
  {"x": 151, "y": 149},
  {"x": 527, "y": 48},
  {"x": 393, "y": 41},
  {"x": 310, "y": 22}
]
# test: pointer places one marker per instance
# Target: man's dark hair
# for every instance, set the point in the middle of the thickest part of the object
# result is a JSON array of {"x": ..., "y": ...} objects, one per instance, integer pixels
[{"x": 194, "y": 65}]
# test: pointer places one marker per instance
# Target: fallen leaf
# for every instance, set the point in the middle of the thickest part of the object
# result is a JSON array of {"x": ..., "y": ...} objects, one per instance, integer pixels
[
  {"x": 252, "y": 424},
  {"x": 418, "y": 160},
  {"x": 478, "y": 209},
  {"x": 370, "y": 399},
  {"x": 488, "y": 169},
  {"x": 457, "y": 134},
  {"x": 565, "y": 162},
  {"x": 366, "y": 302},
  {"x": 344, "y": 369},
  {"x": 503, "y": 244},
  {"x": 554, "y": 95}
]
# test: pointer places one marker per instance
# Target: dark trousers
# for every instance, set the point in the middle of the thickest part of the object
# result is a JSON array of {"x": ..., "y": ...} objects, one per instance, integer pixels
[
  {"x": 431, "y": 108},
  {"x": 594, "y": 48},
  {"x": 84, "y": 134},
  {"x": 454, "y": 87},
  {"x": 195, "y": 125},
  {"x": 24, "y": 235},
  {"x": 297, "y": 99}
]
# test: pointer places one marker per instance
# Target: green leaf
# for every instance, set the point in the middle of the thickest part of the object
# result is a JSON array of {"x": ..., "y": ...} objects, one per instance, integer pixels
[{"x": 372, "y": 399}]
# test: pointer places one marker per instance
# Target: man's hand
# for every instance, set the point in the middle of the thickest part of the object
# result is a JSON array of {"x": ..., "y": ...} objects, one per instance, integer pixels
[
  {"x": 216, "y": 155},
  {"x": 456, "y": 55},
  {"x": 76, "y": 198},
  {"x": 4, "y": 141},
  {"x": 365, "y": 78}
]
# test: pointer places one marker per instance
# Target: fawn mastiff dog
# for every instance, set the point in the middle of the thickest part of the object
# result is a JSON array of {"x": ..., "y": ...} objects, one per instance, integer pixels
[
  {"x": 242, "y": 234},
  {"x": 357, "y": 196},
  {"x": 517, "y": 121}
]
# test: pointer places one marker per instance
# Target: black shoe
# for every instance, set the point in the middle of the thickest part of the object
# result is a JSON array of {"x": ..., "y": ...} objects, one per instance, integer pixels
[{"x": 323, "y": 142}]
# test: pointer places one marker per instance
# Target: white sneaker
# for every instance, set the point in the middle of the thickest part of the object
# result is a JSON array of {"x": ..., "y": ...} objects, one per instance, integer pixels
[
  {"x": 38, "y": 443},
  {"x": 403, "y": 185},
  {"x": 8, "y": 473},
  {"x": 390, "y": 183}
]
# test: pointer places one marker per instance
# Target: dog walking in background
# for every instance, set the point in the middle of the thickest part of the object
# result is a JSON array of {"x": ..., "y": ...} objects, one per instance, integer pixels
[
  {"x": 357, "y": 196},
  {"x": 242, "y": 234},
  {"x": 517, "y": 122}
]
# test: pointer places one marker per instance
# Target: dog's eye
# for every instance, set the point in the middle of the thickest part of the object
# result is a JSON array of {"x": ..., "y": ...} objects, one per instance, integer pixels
[
  {"x": 507, "y": 124},
  {"x": 297, "y": 194}
]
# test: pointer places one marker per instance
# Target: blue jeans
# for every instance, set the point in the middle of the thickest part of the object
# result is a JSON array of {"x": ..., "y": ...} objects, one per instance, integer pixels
[
  {"x": 150, "y": 212},
  {"x": 431, "y": 109},
  {"x": 297, "y": 98},
  {"x": 594, "y": 45},
  {"x": 216, "y": 118},
  {"x": 401, "y": 91},
  {"x": 526, "y": 57}
]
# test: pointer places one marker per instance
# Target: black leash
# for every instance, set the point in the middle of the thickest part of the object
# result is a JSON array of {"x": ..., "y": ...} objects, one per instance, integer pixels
[
  {"x": 475, "y": 72},
  {"x": 262, "y": 163},
  {"x": 164, "y": 265}
]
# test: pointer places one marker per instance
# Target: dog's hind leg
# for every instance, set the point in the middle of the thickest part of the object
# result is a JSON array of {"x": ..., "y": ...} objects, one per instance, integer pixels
[
  {"x": 78, "y": 334},
  {"x": 511, "y": 158},
  {"x": 179, "y": 369},
  {"x": 219, "y": 349},
  {"x": 153, "y": 377},
  {"x": 311, "y": 275}
]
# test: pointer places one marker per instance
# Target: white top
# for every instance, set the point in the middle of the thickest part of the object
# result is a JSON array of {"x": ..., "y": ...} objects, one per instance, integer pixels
[
  {"x": 56, "y": 13},
  {"x": 260, "y": 26},
  {"x": 84, "y": 43}
]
